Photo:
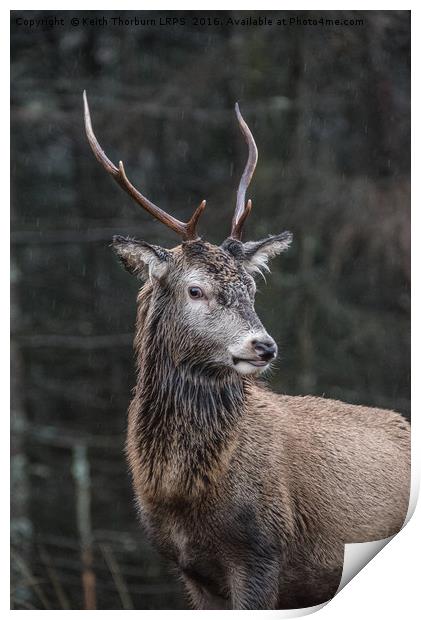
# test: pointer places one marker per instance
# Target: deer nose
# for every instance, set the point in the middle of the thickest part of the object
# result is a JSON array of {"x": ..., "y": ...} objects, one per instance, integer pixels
[{"x": 265, "y": 349}]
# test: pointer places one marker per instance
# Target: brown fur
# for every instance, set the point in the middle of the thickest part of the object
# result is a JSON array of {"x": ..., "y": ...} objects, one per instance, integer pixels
[{"x": 252, "y": 495}]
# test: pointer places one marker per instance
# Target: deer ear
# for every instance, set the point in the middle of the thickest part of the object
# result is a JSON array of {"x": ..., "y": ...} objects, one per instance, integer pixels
[
  {"x": 141, "y": 258},
  {"x": 256, "y": 254}
]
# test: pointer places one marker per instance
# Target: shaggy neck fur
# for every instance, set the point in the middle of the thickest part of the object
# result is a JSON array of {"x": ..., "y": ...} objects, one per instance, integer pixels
[{"x": 187, "y": 410}]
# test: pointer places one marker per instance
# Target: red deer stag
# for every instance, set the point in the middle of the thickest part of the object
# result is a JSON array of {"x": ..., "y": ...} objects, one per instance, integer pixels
[{"x": 250, "y": 494}]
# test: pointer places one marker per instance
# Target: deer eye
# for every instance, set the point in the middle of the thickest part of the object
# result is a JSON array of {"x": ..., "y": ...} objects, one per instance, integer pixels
[{"x": 196, "y": 292}]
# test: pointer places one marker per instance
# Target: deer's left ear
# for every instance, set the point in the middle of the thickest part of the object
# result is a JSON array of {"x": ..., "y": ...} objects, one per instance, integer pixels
[{"x": 257, "y": 253}]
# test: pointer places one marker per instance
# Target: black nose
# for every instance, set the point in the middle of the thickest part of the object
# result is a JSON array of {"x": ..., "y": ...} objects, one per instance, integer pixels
[{"x": 265, "y": 349}]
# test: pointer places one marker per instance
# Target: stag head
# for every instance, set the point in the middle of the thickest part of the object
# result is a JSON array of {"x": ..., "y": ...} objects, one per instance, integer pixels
[{"x": 203, "y": 294}]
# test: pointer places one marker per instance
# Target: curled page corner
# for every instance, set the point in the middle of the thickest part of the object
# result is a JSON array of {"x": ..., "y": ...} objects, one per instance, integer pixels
[{"x": 357, "y": 555}]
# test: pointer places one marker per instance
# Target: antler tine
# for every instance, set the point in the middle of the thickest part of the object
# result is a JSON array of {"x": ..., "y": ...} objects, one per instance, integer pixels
[
  {"x": 187, "y": 230},
  {"x": 242, "y": 209}
]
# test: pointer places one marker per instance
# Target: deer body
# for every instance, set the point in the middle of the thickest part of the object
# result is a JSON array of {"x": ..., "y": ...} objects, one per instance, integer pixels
[{"x": 252, "y": 495}]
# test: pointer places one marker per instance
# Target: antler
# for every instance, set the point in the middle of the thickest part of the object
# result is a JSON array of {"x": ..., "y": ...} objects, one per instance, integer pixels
[
  {"x": 242, "y": 209},
  {"x": 187, "y": 230}
]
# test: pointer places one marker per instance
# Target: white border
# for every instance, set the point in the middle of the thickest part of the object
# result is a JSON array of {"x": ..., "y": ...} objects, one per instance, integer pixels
[{"x": 388, "y": 585}]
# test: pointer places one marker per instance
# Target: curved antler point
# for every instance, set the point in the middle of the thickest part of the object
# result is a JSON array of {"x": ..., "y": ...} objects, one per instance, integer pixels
[{"x": 85, "y": 102}]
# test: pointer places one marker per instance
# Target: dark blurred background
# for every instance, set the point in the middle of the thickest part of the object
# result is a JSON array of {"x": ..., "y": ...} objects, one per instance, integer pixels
[{"x": 329, "y": 108}]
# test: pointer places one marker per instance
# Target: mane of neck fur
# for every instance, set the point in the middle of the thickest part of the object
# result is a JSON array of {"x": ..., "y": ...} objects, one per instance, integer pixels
[{"x": 185, "y": 418}]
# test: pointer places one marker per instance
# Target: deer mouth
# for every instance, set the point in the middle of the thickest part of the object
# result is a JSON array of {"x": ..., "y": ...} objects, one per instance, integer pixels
[{"x": 253, "y": 362}]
